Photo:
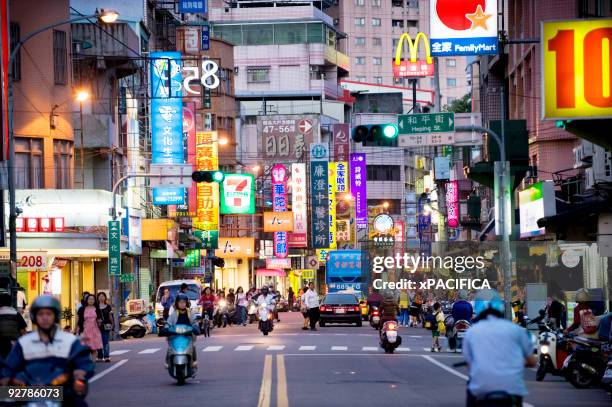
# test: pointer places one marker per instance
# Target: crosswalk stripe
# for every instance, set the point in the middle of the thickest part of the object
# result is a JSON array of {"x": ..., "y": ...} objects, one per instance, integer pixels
[
  {"x": 243, "y": 348},
  {"x": 276, "y": 347},
  {"x": 403, "y": 349},
  {"x": 212, "y": 349},
  {"x": 304, "y": 347},
  {"x": 118, "y": 352},
  {"x": 339, "y": 348},
  {"x": 369, "y": 349},
  {"x": 150, "y": 350}
]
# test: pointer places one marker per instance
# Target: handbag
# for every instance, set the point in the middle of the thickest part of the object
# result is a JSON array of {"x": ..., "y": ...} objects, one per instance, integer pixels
[{"x": 108, "y": 327}]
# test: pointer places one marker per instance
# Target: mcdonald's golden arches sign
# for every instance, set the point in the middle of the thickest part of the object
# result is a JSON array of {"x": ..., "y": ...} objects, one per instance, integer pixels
[{"x": 413, "y": 67}]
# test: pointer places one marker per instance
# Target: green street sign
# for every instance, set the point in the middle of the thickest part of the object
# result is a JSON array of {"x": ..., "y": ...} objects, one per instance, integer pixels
[
  {"x": 114, "y": 248},
  {"x": 426, "y": 123},
  {"x": 127, "y": 278},
  {"x": 192, "y": 258},
  {"x": 209, "y": 238}
]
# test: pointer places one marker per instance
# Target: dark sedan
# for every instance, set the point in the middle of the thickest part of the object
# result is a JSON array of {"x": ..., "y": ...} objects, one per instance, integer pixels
[{"x": 341, "y": 309}]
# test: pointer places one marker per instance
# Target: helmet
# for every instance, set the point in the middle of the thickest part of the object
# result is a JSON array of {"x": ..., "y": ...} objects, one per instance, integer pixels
[
  {"x": 179, "y": 297},
  {"x": 389, "y": 296},
  {"x": 488, "y": 299},
  {"x": 462, "y": 295},
  {"x": 5, "y": 296},
  {"x": 582, "y": 295},
  {"x": 45, "y": 301},
  {"x": 264, "y": 289}
]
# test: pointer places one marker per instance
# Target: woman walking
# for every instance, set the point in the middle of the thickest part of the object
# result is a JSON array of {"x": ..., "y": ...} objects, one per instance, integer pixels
[
  {"x": 108, "y": 321},
  {"x": 404, "y": 304},
  {"x": 304, "y": 309},
  {"x": 90, "y": 318},
  {"x": 241, "y": 306}
]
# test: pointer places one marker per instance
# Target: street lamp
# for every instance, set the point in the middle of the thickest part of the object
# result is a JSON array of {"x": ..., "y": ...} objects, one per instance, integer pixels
[
  {"x": 82, "y": 96},
  {"x": 104, "y": 16}
]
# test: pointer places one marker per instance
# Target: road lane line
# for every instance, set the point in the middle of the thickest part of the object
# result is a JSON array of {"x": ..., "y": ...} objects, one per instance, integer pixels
[
  {"x": 282, "y": 400},
  {"x": 243, "y": 348},
  {"x": 212, "y": 349},
  {"x": 339, "y": 348},
  {"x": 266, "y": 383},
  {"x": 276, "y": 347},
  {"x": 118, "y": 352},
  {"x": 369, "y": 349},
  {"x": 403, "y": 349},
  {"x": 107, "y": 371},
  {"x": 443, "y": 366},
  {"x": 150, "y": 350},
  {"x": 307, "y": 347},
  {"x": 414, "y": 355}
]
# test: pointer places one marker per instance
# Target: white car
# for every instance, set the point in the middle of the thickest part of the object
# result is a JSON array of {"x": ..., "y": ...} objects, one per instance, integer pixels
[{"x": 194, "y": 288}]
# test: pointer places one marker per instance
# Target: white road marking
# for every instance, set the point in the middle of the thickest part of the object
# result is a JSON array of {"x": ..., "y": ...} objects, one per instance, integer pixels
[
  {"x": 276, "y": 347},
  {"x": 369, "y": 349},
  {"x": 415, "y": 336},
  {"x": 443, "y": 366},
  {"x": 339, "y": 348},
  {"x": 150, "y": 350},
  {"x": 107, "y": 371},
  {"x": 212, "y": 349},
  {"x": 304, "y": 347},
  {"x": 403, "y": 349},
  {"x": 243, "y": 348},
  {"x": 118, "y": 352}
]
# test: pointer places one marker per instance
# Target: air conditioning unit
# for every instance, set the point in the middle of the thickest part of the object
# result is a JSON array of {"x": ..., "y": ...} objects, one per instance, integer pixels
[
  {"x": 601, "y": 170},
  {"x": 583, "y": 155}
]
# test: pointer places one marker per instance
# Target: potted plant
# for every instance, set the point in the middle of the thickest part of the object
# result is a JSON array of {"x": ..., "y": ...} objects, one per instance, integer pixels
[{"x": 67, "y": 317}]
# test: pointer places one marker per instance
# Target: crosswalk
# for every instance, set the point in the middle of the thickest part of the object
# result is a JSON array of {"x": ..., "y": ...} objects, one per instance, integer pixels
[{"x": 299, "y": 348}]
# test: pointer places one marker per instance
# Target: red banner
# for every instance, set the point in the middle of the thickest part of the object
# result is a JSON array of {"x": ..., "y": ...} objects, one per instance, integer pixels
[
  {"x": 4, "y": 68},
  {"x": 408, "y": 69}
]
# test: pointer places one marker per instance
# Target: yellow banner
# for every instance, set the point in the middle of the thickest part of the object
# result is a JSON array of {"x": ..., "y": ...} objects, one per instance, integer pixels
[
  {"x": 322, "y": 255},
  {"x": 333, "y": 188},
  {"x": 278, "y": 221},
  {"x": 207, "y": 201},
  {"x": 236, "y": 247}
]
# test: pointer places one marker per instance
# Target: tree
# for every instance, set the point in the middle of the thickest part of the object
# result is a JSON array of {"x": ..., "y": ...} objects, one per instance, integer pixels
[{"x": 461, "y": 105}]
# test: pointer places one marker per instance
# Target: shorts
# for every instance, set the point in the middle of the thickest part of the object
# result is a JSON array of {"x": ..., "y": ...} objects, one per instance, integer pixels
[
  {"x": 305, "y": 314},
  {"x": 435, "y": 334}
]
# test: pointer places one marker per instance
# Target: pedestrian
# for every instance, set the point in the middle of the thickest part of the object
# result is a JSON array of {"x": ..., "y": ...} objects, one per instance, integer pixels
[
  {"x": 12, "y": 324},
  {"x": 439, "y": 327},
  {"x": 88, "y": 326},
  {"x": 404, "y": 305},
  {"x": 241, "y": 306},
  {"x": 290, "y": 298},
  {"x": 83, "y": 300},
  {"x": 304, "y": 308},
  {"x": 22, "y": 303},
  {"x": 415, "y": 309},
  {"x": 231, "y": 297},
  {"x": 166, "y": 303},
  {"x": 312, "y": 302},
  {"x": 108, "y": 322}
]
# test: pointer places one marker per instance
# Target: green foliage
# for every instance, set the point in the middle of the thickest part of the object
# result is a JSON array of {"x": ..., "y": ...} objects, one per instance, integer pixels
[{"x": 461, "y": 105}]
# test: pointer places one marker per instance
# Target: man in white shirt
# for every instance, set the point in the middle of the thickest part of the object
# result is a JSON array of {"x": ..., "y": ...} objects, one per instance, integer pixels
[{"x": 311, "y": 298}]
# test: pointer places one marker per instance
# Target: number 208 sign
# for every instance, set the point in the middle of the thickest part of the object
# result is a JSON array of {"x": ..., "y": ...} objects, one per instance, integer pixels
[{"x": 577, "y": 75}]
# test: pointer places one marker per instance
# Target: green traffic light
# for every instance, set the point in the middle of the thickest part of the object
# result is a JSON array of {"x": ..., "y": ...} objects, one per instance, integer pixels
[
  {"x": 218, "y": 176},
  {"x": 390, "y": 131}
]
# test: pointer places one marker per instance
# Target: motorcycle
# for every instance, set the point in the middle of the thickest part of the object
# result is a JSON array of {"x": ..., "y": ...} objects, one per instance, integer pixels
[
  {"x": 266, "y": 317},
  {"x": 374, "y": 317},
  {"x": 389, "y": 338},
  {"x": 585, "y": 366},
  {"x": 134, "y": 326},
  {"x": 220, "y": 314},
  {"x": 607, "y": 377},
  {"x": 552, "y": 352},
  {"x": 179, "y": 355},
  {"x": 455, "y": 332},
  {"x": 493, "y": 398}
]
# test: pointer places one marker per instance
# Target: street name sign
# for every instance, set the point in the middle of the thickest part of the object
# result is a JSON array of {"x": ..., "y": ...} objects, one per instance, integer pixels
[
  {"x": 171, "y": 175},
  {"x": 426, "y": 123},
  {"x": 127, "y": 278},
  {"x": 114, "y": 248}
]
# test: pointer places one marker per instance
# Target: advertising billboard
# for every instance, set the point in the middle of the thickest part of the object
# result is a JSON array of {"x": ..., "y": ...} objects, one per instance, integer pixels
[
  {"x": 236, "y": 247},
  {"x": 319, "y": 191},
  {"x": 332, "y": 189},
  {"x": 238, "y": 194},
  {"x": 207, "y": 202},
  {"x": 536, "y": 202},
  {"x": 463, "y": 27},
  {"x": 299, "y": 236},
  {"x": 359, "y": 188},
  {"x": 412, "y": 68},
  {"x": 279, "y": 204},
  {"x": 341, "y": 142},
  {"x": 285, "y": 138},
  {"x": 167, "y": 120},
  {"x": 452, "y": 204},
  {"x": 278, "y": 221}
]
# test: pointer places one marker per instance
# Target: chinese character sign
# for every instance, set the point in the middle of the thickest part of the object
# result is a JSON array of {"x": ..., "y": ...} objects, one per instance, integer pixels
[
  {"x": 279, "y": 204},
  {"x": 207, "y": 159},
  {"x": 452, "y": 204},
  {"x": 319, "y": 187},
  {"x": 192, "y": 6},
  {"x": 341, "y": 142},
  {"x": 114, "y": 248},
  {"x": 285, "y": 138},
  {"x": 238, "y": 194},
  {"x": 298, "y": 203},
  {"x": 332, "y": 204},
  {"x": 463, "y": 27},
  {"x": 359, "y": 188},
  {"x": 167, "y": 120}
]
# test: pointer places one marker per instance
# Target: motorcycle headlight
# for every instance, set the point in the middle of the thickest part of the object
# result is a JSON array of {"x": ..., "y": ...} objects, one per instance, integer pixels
[{"x": 544, "y": 349}]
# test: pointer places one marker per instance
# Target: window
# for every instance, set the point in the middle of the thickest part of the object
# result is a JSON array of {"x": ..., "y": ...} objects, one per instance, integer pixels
[
  {"x": 451, "y": 62},
  {"x": 360, "y": 78},
  {"x": 397, "y": 3},
  {"x": 376, "y": 22},
  {"x": 60, "y": 57},
  {"x": 383, "y": 172},
  {"x": 62, "y": 159},
  {"x": 413, "y": 3},
  {"x": 360, "y": 3},
  {"x": 28, "y": 163},
  {"x": 376, "y": 61},
  {"x": 258, "y": 74},
  {"x": 359, "y": 60},
  {"x": 359, "y": 21},
  {"x": 15, "y": 38},
  {"x": 359, "y": 40},
  {"x": 378, "y": 80},
  {"x": 258, "y": 34},
  {"x": 289, "y": 33},
  {"x": 451, "y": 82},
  {"x": 377, "y": 42},
  {"x": 412, "y": 24},
  {"x": 398, "y": 81},
  {"x": 397, "y": 23},
  {"x": 375, "y": 3},
  {"x": 395, "y": 42}
]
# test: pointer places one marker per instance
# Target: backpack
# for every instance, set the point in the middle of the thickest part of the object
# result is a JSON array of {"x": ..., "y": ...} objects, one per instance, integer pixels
[
  {"x": 430, "y": 322},
  {"x": 589, "y": 321}
]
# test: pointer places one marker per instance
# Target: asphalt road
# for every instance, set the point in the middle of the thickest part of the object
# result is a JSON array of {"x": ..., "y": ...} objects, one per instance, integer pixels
[{"x": 335, "y": 366}]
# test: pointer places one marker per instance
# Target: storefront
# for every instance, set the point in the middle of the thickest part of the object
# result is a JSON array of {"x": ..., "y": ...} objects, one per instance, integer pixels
[{"x": 276, "y": 278}]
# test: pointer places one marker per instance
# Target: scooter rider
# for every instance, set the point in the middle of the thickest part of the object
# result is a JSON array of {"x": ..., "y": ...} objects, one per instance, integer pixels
[
  {"x": 492, "y": 370},
  {"x": 462, "y": 309},
  {"x": 389, "y": 310},
  {"x": 265, "y": 296},
  {"x": 49, "y": 355},
  {"x": 182, "y": 316}
]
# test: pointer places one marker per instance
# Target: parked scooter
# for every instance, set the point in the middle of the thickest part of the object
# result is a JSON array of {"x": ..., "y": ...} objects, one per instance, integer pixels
[
  {"x": 133, "y": 325},
  {"x": 586, "y": 365},
  {"x": 553, "y": 350},
  {"x": 179, "y": 357},
  {"x": 374, "y": 317},
  {"x": 455, "y": 332},
  {"x": 266, "y": 316},
  {"x": 389, "y": 338}
]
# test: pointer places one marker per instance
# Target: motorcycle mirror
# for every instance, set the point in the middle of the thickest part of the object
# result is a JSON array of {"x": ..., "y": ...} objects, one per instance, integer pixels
[{"x": 542, "y": 312}]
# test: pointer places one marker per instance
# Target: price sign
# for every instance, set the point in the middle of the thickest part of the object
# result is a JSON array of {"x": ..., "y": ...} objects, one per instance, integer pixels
[
  {"x": 32, "y": 261},
  {"x": 577, "y": 80}
]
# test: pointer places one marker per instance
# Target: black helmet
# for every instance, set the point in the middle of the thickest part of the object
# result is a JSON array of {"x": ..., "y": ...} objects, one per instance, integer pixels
[
  {"x": 179, "y": 297},
  {"x": 264, "y": 289},
  {"x": 5, "y": 297},
  {"x": 45, "y": 301}
]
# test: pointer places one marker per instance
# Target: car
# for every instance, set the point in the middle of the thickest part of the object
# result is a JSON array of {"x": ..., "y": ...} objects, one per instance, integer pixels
[
  {"x": 361, "y": 297},
  {"x": 340, "y": 309}
]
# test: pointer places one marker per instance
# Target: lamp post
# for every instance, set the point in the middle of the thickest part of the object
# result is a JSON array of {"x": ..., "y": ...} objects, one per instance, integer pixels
[
  {"x": 104, "y": 16},
  {"x": 81, "y": 97}
]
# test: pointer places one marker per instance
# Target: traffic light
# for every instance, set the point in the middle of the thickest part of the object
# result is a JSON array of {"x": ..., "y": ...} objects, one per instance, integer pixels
[
  {"x": 208, "y": 176},
  {"x": 218, "y": 262},
  {"x": 376, "y": 134}
]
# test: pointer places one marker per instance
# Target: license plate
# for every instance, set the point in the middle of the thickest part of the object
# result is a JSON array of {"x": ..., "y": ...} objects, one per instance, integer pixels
[
  {"x": 340, "y": 311},
  {"x": 460, "y": 334},
  {"x": 608, "y": 374}
]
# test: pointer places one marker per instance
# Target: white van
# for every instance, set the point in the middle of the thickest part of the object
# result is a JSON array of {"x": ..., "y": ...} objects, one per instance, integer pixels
[{"x": 194, "y": 288}]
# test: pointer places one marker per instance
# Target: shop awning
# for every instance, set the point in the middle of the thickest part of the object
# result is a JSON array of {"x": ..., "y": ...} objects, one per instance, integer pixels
[{"x": 271, "y": 272}]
